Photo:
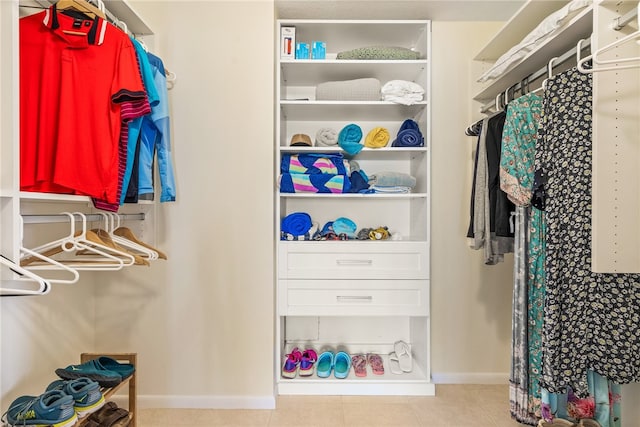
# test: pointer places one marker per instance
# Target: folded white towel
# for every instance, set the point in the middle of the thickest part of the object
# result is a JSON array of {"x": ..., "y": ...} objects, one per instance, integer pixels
[{"x": 402, "y": 92}]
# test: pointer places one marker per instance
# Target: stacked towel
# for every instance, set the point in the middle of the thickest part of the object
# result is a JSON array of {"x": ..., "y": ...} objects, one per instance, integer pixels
[
  {"x": 349, "y": 139},
  {"x": 391, "y": 179},
  {"x": 377, "y": 137},
  {"x": 314, "y": 183},
  {"x": 366, "y": 89},
  {"x": 402, "y": 92},
  {"x": 409, "y": 135},
  {"x": 312, "y": 163},
  {"x": 326, "y": 137},
  {"x": 297, "y": 223}
]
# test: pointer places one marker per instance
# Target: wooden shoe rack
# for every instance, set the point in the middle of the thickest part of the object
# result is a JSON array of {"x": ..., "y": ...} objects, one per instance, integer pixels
[{"x": 131, "y": 381}]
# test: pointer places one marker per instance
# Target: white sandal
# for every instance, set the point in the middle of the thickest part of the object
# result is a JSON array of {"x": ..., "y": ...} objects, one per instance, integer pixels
[
  {"x": 403, "y": 353},
  {"x": 394, "y": 364}
]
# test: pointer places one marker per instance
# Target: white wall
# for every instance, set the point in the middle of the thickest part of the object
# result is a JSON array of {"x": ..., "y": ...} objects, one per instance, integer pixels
[
  {"x": 202, "y": 322},
  {"x": 471, "y": 302}
]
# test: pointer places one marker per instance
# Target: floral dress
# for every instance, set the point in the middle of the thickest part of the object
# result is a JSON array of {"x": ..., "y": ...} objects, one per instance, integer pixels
[
  {"x": 591, "y": 331},
  {"x": 517, "y": 168}
]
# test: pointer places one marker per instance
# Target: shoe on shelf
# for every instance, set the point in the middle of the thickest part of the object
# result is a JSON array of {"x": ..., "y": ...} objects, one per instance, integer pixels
[
  {"x": 324, "y": 364},
  {"x": 359, "y": 362},
  {"x": 290, "y": 366},
  {"x": 92, "y": 370},
  {"x": 377, "y": 366},
  {"x": 307, "y": 362},
  {"x": 53, "y": 408},
  {"x": 124, "y": 369},
  {"x": 589, "y": 422},
  {"x": 403, "y": 353},
  {"x": 394, "y": 364},
  {"x": 341, "y": 365},
  {"x": 109, "y": 415},
  {"x": 85, "y": 392}
]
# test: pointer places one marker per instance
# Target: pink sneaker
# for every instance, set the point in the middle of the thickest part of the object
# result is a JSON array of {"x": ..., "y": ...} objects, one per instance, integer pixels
[
  {"x": 291, "y": 363},
  {"x": 307, "y": 362}
]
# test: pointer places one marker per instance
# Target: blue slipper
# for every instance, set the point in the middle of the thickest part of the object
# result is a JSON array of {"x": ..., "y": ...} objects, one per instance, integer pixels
[
  {"x": 92, "y": 370},
  {"x": 324, "y": 364},
  {"x": 341, "y": 365}
]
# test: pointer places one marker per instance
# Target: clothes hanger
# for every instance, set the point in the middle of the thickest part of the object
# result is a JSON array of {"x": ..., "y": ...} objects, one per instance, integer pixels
[
  {"x": 128, "y": 234},
  {"x": 82, "y": 6},
  {"x": 633, "y": 36},
  {"x": 49, "y": 263},
  {"x": 109, "y": 241},
  {"x": 142, "y": 251},
  {"x": 43, "y": 286},
  {"x": 104, "y": 258}
]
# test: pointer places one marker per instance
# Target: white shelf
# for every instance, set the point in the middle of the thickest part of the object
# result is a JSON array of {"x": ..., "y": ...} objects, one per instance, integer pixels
[
  {"x": 521, "y": 24},
  {"x": 344, "y": 196},
  {"x": 312, "y": 72},
  {"x": 579, "y": 27},
  {"x": 52, "y": 197},
  {"x": 355, "y": 110}
]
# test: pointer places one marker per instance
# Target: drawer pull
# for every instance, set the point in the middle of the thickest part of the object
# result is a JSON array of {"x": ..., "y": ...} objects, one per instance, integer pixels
[
  {"x": 354, "y": 261},
  {"x": 361, "y": 298}
]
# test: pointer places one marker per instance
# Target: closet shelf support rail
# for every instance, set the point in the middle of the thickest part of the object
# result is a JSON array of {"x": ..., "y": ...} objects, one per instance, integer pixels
[
  {"x": 56, "y": 218},
  {"x": 620, "y": 22}
]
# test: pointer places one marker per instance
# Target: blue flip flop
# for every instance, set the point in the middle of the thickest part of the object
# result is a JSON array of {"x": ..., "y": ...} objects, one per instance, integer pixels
[
  {"x": 341, "y": 365},
  {"x": 324, "y": 364},
  {"x": 124, "y": 369}
]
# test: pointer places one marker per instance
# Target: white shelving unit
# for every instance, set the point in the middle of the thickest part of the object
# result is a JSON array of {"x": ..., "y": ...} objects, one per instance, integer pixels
[
  {"x": 13, "y": 202},
  {"x": 358, "y": 296}
]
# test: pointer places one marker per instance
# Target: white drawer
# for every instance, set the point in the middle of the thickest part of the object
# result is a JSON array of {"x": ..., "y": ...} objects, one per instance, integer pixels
[
  {"x": 353, "y": 260},
  {"x": 353, "y": 297}
]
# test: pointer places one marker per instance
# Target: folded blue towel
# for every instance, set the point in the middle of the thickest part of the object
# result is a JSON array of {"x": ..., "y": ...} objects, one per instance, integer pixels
[
  {"x": 297, "y": 223},
  {"x": 314, "y": 183},
  {"x": 409, "y": 135},
  {"x": 309, "y": 163},
  {"x": 349, "y": 139}
]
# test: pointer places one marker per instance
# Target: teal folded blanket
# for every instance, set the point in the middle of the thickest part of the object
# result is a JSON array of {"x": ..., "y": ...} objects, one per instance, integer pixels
[{"x": 349, "y": 139}]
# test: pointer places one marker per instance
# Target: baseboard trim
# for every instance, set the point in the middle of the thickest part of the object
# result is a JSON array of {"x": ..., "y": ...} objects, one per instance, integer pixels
[
  {"x": 470, "y": 378},
  {"x": 201, "y": 402}
]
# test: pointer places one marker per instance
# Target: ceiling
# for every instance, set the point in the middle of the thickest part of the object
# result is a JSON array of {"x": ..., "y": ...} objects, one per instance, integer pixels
[{"x": 437, "y": 10}]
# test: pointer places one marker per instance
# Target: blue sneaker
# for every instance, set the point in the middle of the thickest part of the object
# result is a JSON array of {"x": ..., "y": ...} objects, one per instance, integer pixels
[
  {"x": 85, "y": 392},
  {"x": 92, "y": 370},
  {"x": 52, "y": 408}
]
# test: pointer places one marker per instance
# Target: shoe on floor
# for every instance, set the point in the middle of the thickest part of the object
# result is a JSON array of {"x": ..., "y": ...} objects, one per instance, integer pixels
[
  {"x": 85, "y": 392},
  {"x": 92, "y": 370},
  {"x": 557, "y": 422},
  {"x": 53, "y": 408}
]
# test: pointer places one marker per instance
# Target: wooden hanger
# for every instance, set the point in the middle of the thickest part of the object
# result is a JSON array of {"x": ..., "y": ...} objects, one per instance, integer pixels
[
  {"x": 82, "y": 6},
  {"x": 128, "y": 234}
]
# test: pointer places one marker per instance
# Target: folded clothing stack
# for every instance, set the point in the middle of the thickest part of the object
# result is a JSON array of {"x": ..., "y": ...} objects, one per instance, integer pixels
[
  {"x": 365, "y": 89},
  {"x": 402, "y": 92}
]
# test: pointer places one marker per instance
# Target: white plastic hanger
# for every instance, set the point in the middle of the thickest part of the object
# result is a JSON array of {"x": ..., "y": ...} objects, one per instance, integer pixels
[
  {"x": 597, "y": 62},
  {"x": 104, "y": 258},
  {"x": 43, "y": 286}
]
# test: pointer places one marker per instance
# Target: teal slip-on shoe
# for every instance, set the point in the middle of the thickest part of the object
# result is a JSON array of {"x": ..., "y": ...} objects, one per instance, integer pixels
[
  {"x": 324, "y": 364},
  {"x": 52, "y": 408},
  {"x": 124, "y": 369},
  {"x": 341, "y": 365},
  {"x": 92, "y": 370}
]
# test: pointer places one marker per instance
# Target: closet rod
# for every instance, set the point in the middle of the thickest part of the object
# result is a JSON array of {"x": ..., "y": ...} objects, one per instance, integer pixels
[
  {"x": 621, "y": 21},
  {"x": 571, "y": 54},
  {"x": 54, "y": 218}
]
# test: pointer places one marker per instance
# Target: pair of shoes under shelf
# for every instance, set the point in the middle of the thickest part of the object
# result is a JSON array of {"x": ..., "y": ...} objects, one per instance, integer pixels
[
  {"x": 299, "y": 362},
  {"x": 339, "y": 362}
]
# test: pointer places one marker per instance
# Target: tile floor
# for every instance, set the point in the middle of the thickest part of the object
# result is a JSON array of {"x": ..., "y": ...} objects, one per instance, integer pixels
[{"x": 453, "y": 406}]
